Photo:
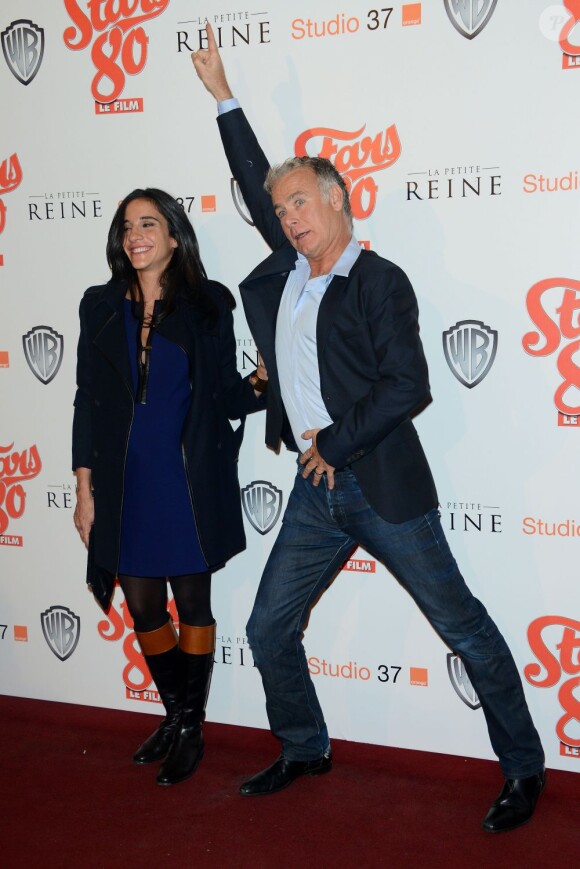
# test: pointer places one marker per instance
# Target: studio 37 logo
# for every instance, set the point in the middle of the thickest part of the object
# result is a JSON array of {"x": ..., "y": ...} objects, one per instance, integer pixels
[
  {"x": 554, "y": 307},
  {"x": 555, "y": 642},
  {"x": 118, "y": 45}
]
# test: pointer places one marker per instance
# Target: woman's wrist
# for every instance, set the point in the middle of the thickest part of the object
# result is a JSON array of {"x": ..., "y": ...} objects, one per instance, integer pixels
[
  {"x": 257, "y": 382},
  {"x": 84, "y": 482}
]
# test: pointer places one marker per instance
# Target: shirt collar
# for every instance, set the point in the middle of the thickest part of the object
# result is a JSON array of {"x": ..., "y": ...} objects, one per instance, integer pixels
[{"x": 344, "y": 263}]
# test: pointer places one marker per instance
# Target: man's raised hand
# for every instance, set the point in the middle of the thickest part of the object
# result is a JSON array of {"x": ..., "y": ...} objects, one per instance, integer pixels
[{"x": 210, "y": 69}]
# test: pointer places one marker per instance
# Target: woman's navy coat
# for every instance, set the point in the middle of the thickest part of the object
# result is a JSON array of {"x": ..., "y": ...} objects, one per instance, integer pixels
[{"x": 103, "y": 414}]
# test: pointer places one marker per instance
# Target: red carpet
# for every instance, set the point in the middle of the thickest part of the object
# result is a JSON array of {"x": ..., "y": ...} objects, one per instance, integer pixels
[{"x": 72, "y": 798}]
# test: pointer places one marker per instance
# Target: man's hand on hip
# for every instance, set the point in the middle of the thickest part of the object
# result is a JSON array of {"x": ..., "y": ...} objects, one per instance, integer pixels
[{"x": 313, "y": 462}]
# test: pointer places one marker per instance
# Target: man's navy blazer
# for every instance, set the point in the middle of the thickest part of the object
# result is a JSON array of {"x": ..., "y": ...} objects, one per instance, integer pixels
[{"x": 373, "y": 372}]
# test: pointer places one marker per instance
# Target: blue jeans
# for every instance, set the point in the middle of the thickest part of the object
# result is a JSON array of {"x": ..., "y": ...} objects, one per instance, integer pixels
[{"x": 320, "y": 529}]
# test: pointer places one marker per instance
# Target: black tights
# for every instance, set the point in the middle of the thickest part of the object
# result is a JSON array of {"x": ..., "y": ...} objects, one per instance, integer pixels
[{"x": 146, "y": 598}]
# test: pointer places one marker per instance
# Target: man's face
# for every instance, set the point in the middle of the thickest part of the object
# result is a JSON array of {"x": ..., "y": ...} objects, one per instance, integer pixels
[{"x": 314, "y": 226}]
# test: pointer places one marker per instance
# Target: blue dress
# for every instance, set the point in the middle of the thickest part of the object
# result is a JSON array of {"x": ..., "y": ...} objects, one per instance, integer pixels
[{"x": 158, "y": 532}]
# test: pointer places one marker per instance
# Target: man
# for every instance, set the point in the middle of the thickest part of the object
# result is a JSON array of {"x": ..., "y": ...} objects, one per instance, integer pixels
[{"x": 338, "y": 330}]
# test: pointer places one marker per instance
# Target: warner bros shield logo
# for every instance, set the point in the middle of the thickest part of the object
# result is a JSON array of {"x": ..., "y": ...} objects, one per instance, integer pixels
[
  {"x": 43, "y": 349},
  {"x": 469, "y": 17},
  {"x": 61, "y": 629},
  {"x": 460, "y": 681},
  {"x": 470, "y": 347},
  {"x": 23, "y": 48},
  {"x": 262, "y": 503},
  {"x": 241, "y": 206}
]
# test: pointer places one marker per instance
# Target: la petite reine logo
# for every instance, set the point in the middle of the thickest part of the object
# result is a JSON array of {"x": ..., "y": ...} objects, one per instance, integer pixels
[{"x": 120, "y": 48}]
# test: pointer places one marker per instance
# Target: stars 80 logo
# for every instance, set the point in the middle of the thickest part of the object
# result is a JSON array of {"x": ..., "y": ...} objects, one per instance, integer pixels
[
  {"x": 10, "y": 178},
  {"x": 120, "y": 48},
  {"x": 554, "y": 307},
  {"x": 118, "y": 625},
  {"x": 555, "y": 642},
  {"x": 16, "y": 467},
  {"x": 357, "y": 156},
  {"x": 570, "y": 35}
]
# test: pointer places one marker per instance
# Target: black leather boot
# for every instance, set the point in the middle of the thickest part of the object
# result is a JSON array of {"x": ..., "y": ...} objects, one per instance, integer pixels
[
  {"x": 162, "y": 656},
  {"x": 196, "y": 649}
]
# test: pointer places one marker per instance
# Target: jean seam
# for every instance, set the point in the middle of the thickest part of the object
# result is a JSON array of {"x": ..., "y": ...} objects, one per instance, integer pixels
[
  {"x": 297, "y": 630},
  {"x": 428, "y": 521}
]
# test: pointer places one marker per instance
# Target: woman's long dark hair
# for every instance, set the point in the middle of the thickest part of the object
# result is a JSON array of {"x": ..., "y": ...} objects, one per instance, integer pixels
[{"x": 184, "y": 274}]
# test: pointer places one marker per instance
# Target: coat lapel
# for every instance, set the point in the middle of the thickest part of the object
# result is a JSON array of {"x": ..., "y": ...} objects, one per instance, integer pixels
[
  {"x": 111, "y": 338},
  {"x": 335, "y": 296},
  {"x": 280, "y": 261},
  {"x": 261, "y": 294},
  {"x": 180, "y": 323},
  {"x": 331, "y": 302}
]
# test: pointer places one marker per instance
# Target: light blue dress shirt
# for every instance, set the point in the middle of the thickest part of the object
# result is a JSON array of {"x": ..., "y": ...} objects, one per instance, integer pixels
[{"x": 296, "y": 347}]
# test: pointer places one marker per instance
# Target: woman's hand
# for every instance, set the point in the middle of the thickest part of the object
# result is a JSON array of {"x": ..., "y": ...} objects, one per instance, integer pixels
[
  {"x": 259, "y": 379},
  {"x": 261, "y": 369},
  {"x": 84, "y": 515}
]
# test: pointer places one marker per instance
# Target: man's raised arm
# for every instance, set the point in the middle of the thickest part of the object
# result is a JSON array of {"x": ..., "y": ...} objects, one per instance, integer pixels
[
  {"x": 248, "y": 163},
  {"x": 210, "y": 69}
]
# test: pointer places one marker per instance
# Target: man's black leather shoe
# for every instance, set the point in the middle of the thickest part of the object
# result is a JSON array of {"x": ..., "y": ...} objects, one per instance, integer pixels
[
  {"x": 282, "y": 773},
  {"x": 516, "y": 803}
]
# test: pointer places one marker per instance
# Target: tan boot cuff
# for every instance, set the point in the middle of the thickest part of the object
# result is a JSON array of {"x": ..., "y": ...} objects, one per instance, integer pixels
[
  {"x": 197, "y": 641},
  {"x": 156, "y": 642}
]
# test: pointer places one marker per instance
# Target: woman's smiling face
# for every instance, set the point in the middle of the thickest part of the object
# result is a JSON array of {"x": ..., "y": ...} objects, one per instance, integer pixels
[{"x": 147, "y": 242}]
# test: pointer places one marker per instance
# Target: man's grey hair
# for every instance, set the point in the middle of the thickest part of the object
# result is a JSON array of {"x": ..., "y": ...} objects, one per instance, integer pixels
[{"x": 326, "y": 174}]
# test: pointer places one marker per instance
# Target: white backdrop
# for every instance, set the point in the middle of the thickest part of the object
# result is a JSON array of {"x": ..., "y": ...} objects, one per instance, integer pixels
[{"x": 472, "y": 145}]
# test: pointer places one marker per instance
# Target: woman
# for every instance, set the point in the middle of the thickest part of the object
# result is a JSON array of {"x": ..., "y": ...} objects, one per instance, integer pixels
[{"x": 155, "y": 456}]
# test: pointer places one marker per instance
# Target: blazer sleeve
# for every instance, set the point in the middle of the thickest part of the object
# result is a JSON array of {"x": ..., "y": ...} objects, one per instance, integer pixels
[
  {"x": 82, "y": 429},
  {"x": 249, "y": 167},
  {"x": 401, "y": 386},
  {"x": 240, "y": 398}
]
